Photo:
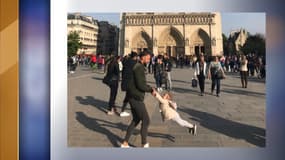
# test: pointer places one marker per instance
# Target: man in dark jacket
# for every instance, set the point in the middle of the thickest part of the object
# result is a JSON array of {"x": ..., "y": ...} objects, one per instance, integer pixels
[
  {"x": 136, "y": 90},
  {"x": 127, "y": 75}
]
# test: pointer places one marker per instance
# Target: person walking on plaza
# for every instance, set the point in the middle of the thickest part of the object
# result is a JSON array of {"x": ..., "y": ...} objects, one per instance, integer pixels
[
  {"x": 69, "y": 63},
  {"x": 136, "y": 90},
  {"x": 201, "y": 73},
  {"x": 168, "y": 68},
  {"x": 216, "y": 73},
  {"x": 168, "y": 108},
  {"x": 73, "y": 64},
  {"x": 243, "y": 71},
  {"x": 151, "y": 64},
  {"x": 114, "y": 73},
  {"x": 127, "y": 75},
  {"x": 93, "y": 62},
  {"x": 158, "y": 73}
]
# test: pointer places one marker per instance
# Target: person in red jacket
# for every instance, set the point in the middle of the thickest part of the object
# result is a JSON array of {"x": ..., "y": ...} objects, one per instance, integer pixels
[{"x": 93, "y": 61}]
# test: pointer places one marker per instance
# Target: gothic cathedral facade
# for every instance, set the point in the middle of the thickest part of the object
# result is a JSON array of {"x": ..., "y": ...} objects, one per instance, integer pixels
[{"x": 174, "y": 34}]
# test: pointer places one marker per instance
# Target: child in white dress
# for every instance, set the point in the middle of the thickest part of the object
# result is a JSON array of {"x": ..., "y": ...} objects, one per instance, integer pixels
[{"x": 168, "y": 110}]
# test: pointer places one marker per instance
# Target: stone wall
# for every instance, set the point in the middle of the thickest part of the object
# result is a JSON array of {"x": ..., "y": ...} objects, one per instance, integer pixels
[{"x": 173, "y": 33}]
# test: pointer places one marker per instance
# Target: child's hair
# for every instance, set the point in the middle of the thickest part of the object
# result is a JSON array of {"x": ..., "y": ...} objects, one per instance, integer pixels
[{"x": 169, "y": 94}]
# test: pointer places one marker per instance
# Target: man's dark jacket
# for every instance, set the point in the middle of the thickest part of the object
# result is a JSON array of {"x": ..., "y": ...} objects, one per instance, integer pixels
[{"x": 137, "y": 85}]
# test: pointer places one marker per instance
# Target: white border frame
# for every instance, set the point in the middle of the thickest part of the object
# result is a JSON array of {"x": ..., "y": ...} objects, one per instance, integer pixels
[{"x": 58, "y": 98}]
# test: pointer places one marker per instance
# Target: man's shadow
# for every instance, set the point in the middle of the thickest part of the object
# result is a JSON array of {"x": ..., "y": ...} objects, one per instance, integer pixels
[
  {"x": 99, "y": 125},
  {"x": 89, "y": 100},
  {"x": 93, "y": 124},
  {"x": 251, "y": 134}
]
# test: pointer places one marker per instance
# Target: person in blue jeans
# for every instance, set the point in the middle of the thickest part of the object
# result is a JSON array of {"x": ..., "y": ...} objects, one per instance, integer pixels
[
  {"x": 158, "y": 72},
  {"x": 214, "y": 67}
]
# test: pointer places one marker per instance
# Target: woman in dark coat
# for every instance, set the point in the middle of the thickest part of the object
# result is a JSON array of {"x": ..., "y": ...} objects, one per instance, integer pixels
[{"x": 114, "y": 73}]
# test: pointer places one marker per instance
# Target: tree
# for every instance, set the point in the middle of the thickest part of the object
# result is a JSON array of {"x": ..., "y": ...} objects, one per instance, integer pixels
[
  {"x": 225, "y": 44},
  {"x": 254, "y": 44},
  {"x": 73, "y": 43},
  {"x": 231, "y": 48},
  {"x": 228, "y": 45}
]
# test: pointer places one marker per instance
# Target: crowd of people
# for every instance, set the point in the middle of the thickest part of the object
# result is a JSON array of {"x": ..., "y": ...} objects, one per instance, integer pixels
[
  {"x": 132, "y": 70},
  {"x": 92, "y": 61},
  {"x": 256, "y": 64}
]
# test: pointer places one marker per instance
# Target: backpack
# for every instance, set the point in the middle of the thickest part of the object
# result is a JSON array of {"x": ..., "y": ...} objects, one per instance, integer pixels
[{"x": 127, "y": 74}]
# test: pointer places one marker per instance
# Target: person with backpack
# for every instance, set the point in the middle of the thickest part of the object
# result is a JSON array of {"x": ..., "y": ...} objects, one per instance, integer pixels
[
  {"x": 216, "y": 73},
  {"x": 127, "y": 75}
]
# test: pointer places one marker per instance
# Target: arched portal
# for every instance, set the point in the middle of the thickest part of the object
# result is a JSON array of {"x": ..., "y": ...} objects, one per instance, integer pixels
[
  {"x": 171, "y": 42},
  {"x": 200, "y": 43},
  {"x": 141, "y": 41}
]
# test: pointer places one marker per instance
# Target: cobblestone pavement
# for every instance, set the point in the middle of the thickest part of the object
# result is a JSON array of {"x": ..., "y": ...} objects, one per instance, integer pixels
[{"x": 235, "y": 119}]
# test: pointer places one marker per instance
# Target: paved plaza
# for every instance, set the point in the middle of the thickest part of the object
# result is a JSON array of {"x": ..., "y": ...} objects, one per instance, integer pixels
[{"x": 235, "y": 119}]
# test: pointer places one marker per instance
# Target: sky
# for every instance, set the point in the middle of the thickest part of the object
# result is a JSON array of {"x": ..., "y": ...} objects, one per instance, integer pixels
[
  {"x": 113, "y": 18},
  {"x": 253, "y": 22}
]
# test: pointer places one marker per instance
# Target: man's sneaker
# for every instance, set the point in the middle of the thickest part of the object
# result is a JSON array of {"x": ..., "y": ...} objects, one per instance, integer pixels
[
  {"x": 124, "y": 114},
  {"x": 146, "y": 145},
  {"x": 110, "y": 112},
  {"x": 125, "y": 146}
]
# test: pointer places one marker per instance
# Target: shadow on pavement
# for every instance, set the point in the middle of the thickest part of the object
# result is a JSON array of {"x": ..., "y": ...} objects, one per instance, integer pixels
[
  {"x": 251, "y": 134},
  {"x": 97, "y": 78},
  {"x": 86, "y": 69},
  {"x": 243, "y": 92},
  {"x": 180, "y": 81},
  {"x": 255, "y": 79},
  {"x": 93, "y": 124},
  {"x": 250, "y": 78},
  {"x": 231, "y": 86},
  {"x": 89, "y": 100},
  {"x": 184, "y": 90},
  {"x": 99, "y": 126}
]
